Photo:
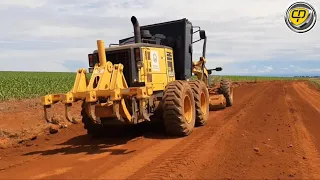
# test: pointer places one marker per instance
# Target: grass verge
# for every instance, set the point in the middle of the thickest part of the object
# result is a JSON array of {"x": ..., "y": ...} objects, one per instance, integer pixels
[{"x": 315, "y": 82}]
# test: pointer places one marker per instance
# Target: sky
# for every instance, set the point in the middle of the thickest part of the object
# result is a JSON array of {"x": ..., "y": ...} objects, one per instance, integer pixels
[{"x": 247, "y": 37}]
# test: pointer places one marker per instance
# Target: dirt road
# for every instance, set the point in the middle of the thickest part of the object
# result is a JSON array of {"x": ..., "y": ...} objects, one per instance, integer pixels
[{"x": 271, "y": 132}]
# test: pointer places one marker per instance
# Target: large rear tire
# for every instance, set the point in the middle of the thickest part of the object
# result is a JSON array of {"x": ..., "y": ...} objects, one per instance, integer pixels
[
  {"x": 227, "y": 91},
  {"x": 201, "y": 98},
  {"x": 178, "y": 108}
]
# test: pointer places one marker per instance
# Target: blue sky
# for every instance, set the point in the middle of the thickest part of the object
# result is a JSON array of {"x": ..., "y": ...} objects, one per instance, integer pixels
[{"x": 247, "y": 37}]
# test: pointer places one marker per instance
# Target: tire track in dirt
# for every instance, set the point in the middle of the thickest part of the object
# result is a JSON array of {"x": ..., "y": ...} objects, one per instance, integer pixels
[
  {"x": 258, "y": 146},
  {"x": 98, "y": 163},
  {"x": 307, "y": 154},
  {"x": 270, "y": 132},
  {"x": 308, "y": 94},
  {"x": 54, "y": 172},
  {"x": 307, "y": 100},
  {"x": 233, "y": 155},
  {"x": 71, "y": 156},
  {"x": 121, "y": 164},
  {"x": 158, "y": 151},
  {"x": 125, "y": 166},
  {"x": 178, "y": 158},
  {"x": 79, "y": 157}
]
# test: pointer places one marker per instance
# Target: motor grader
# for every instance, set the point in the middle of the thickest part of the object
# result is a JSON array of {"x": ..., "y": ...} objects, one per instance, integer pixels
[{"x": 145, "y": 77}]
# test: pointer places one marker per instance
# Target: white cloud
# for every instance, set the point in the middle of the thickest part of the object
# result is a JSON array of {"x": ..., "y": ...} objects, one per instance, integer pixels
[
  {"x": 23, "y": 3},
  {"x": 38, "y": 31},
  {"x": 307, "y": 70},
  {"x": 266, "y": 69}
]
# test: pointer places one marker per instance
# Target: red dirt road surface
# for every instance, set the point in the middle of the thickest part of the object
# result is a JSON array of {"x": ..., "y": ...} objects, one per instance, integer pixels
[{"x": 271, "y": 132}]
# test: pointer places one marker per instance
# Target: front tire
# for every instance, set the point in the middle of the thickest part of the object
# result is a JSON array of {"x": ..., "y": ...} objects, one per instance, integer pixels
[
  {"x": 201, "y": 98},
  {"x": 227, "y": 91},
  {"x": 179, "y": 108}
]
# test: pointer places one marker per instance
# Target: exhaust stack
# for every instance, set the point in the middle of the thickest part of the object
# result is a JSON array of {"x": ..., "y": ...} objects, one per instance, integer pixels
[
  {"x": 101, "y": 53},
  {"x": 136, "y": 28}
]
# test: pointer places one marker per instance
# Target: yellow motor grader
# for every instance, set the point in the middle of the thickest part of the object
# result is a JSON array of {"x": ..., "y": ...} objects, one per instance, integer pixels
[{"x": 145, "y": 76}]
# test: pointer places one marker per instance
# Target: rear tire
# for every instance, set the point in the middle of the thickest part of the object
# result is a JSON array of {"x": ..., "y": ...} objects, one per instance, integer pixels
[
  {"x": 227, "y": 91},
  {"x": 95, "y": 130},
  {"x": 104, "y": 130},
  {"x": 201, "y": 98},
  {"x": 178, "y": 108}
]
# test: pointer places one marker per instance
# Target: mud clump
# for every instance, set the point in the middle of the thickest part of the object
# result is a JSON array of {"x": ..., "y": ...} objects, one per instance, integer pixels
[{"x": 53, "y": 130}]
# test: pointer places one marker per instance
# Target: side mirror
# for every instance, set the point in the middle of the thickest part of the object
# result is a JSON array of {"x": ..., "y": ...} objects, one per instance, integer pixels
[
  {"x": 216, "y": 69},
  {"x": 202, "y": 34}
]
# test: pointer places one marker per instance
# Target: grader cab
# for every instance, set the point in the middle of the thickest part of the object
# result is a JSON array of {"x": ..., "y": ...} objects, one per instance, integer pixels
[{"x": 146, "y": 76}]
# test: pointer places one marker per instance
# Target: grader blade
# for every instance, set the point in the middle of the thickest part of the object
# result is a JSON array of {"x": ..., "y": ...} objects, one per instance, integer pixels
[{"x": 217, "y": 102}]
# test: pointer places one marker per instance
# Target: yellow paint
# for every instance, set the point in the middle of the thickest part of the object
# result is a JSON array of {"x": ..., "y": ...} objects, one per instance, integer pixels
[
  {"x": 298, "y": 15},
  {"x": 197, "y": 70},
  {"x": 155, "y": 72},
  {"x": 108, "y": 81},
  {"x": 101, "y": 52}
]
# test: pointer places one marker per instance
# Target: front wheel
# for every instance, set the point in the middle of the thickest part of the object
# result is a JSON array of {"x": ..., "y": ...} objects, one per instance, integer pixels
[
  {"x": 227, "y": 91},
  {"x": 201, "y": 98}
]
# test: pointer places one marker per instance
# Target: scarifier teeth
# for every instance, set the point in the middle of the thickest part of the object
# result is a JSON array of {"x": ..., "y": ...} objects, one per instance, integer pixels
[
  {"x": 116, "y": 110},
  {"x": 68, "y": 114},
  {"x": 92, "y": 110},
  {"x": 45, "y": 109}
]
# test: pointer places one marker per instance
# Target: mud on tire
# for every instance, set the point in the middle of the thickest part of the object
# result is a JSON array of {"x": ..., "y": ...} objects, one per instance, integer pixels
[
  {"x": 227, "y": 91},
  {"x": 178, "y": 108},
  {"x": 201, "y": 98}
]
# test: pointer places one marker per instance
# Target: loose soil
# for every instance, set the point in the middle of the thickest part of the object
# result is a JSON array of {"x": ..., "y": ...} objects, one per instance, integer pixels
[{"x": 271, "y": 132}]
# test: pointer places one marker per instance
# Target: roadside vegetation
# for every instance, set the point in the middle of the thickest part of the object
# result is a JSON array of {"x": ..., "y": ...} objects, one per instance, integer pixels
[
  {"x": 315, "y": 82},
  {"x": 215, "y": 79}
]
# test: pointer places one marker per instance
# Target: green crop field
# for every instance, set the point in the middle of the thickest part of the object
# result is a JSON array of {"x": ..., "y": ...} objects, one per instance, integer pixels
[{"x": 18, "y": 85}]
